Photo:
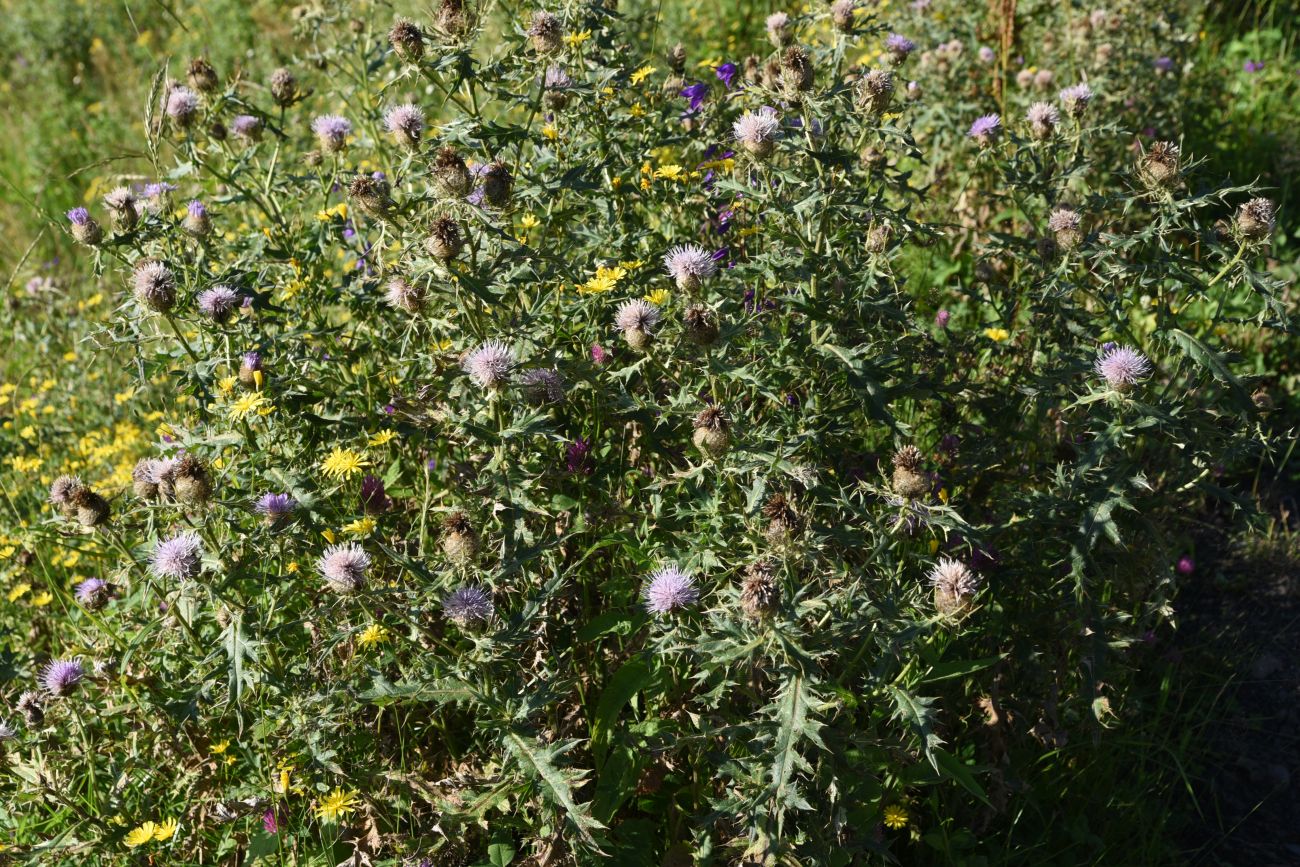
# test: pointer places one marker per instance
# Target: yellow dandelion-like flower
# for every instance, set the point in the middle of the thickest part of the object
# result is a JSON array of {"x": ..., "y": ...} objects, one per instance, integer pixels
[
  {"x": 226, "y": 385},
  {"x": 360, "y": 527},
  {"x": 550, "y": 132},
  {"x": 642, "y": 74},
  {"x": 141, "y": 835},
  {"x": 896, "y": 817},
  {"x": 576, "y": 39},
  {"x": 42, "y": 599},
  {"x": 997, "y": 335},
  {"x": 246, "y": 405},
  {"x": 336, "y": 804},
  {"x": 19, "y": 591},
  {"x": 384, "y": 436},
  {"x": 658, "y": 297},
  {"x": 343, "y": 463},
  {"x": 166, "y": 830},
  {"x": 670, "y": 172},
  {"x": 604, "y": 280},
  {"x": 529, "y": 221},
  {"x": 218, "y": 749},
  {"x": 372, "y": 635}
]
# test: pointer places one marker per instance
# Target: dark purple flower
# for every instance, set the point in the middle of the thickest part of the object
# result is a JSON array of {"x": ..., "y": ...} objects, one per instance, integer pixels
[
  {"x": 695, "y": 93},
  {"x": 1186, "y": 565},
  {"x": 389, "y": 409},
  {"x": 374, "y": 497},
  {"x": 941, "y": 319},
  {"x": 275, "y": 507},
  {"x": 270, "y": 822},
  {"x": 726, "y": 73},
  {"x": 1253, "y": 65},
  {"x": 468, "y": 606},
  {"x": 599, "y": 355},
  {"x": 1164, "y": 64},
  {"x": 575, "y": 457},
  {"x": 61, "y": 676}
]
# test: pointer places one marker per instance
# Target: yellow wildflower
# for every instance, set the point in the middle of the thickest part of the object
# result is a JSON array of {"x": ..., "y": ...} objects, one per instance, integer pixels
[
  {"x": 659, "y": 297},
  {"x": 141, "y": 835},
  {"x": 19, "y": 591},
  {"x": 218, "y": 749},
  {"x": 384, "y": 436},
  {"x": 670, "y": 172},
  {"x": 336, "y": 804},
  {"x": 360, "y": 527},
  {"x": 166, "y": 830},
  {"x": 997, "y": 335},
  {"x": 642, "y": 74},
  {"x": 253, "y": 402},
  {"x": 604, "y": 280},
  {"x": 372, "y": 635},
  {"x": 576, "y": 39},
  {"x": 343, "y": 463},
  {"x": 896, "y": 817},
  {"x": 42, "y": 599}
]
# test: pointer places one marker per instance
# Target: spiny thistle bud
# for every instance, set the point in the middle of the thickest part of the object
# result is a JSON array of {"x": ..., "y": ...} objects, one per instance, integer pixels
[
  {"x": 191, "y": 483},
  {"x": 155, "y": 287},
  {"x": 1159, "y": 165},
  {"x": 954, "y": 586},
  {"x": 121, "y": 206},
  {"x": 759, "y": 592},
  {"x": 145, "y": 477},
  {"x": 1067, "y": 225},
  {"x": 460, "y": 541},
  {"x": 445, "y": 240},
  {"x": 986, "y": 129},
  {"x": 406, "y": 125},
  {"x": 344, "y": 567},
  {"x": 690, "y": 266},
  {"x": 197, "y": 221},
  {"x": 1043, "y": 119},
  {"x": 497, "y": 184},
  {"x": 332, "y": 132},
  {"x": 450, "y": 173},
  {"x": 908, "y": 480},
  {"x": 542, "y": 386},
  {"x": 757, "y": 131},
  {"x": 782, "y": 520},
  {"x": 842, "y": 15},
  {"x": 62, "y": 491},
  {"x": 876, "y": 90},
  {"x": 677, "y": 58},
  {"x": 778, "y": 29},
  {"x": 712, "y": 432},
  {"x": 555, "y": 88},
  {"x": 182, "y": 105},
  {"x": 284, "y": 87},
  {"x": 32, "y": 708},
  {"x": 637, "y": 319},
  {"x": 1256, "y": 219},
  {"x": 371, "y": 194},
  {"x": 701, "y": 325},
  {"x": 898, "y": 48},
  {"x": 89, "y": 508},
  {"x": 201, "y": 76},
  {"x": 84, "y": 229},
  {"x": 796, "y": 70},
  {"x": 546, "y": 32},
  {"x": 401, "y": 294},
  {"x": 1076, "y": 99},
  {"x": 878, "y": 236},
  {"x": 453, "y": 20},
  {"x": 407, "y": 40},
  {"x": 218, "y": 303},
  {"x": 251, "y": 371}
]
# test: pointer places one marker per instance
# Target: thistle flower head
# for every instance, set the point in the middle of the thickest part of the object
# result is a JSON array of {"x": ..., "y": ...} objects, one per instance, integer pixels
[
  {"x": 546, "y": 32},
  {"x": 247, "y": 127},
  {"x": 93, "y": 592},
  {"x": 689, "y": 265},
  {"x": 490, "y": 365},
  {"x": 407, "y": 40},
  {"x": 556, "y": 78},
  {"x": 29, "y": 704},
  {"x": 179, "y": 557},
  {"x": 953, "y": 578},
  {"x": 909, "y": 457},
  {"x": 155, "y": 287},
  {"x": 468, "y": 606},
  {"x": 403, "y": 295},
  {"x": 899, "y": 47},
  {"x": 1064, "y": 219},
  {"x": 275, "y": 506},
  {"x": 406, "y": 124},
  {"x": 202, "y": 76},
  {"x": 332, "y": 132},
  {"x": 63, "y": 489},
  {"x": 1076, "y": 98},
  {"x": 374, "y": 495},
  {"x": 842, "y": 14},
  {"x": 759, "y": 591},
  {"x": 7, "y": 732},
  {"x": 284, "y": 87},
  {"x": 78, "y": 216},
  {"x": 218, "y": 302},
  {"x": 344, "y": 567},
  {"x": 985, "y": 129},
  {"x": 637, "y": 315},
  {"x": 542, "y": 385},
  {"x": 182, "y": 105},
  {"x": 778, "y": 29},
  {"x": 1257, "y": 219},
  {"x": 876, "y": 90},
  {"x": 797, "y": 70},
  {"x": 1043, "y": 119},
  {"x": 1122, "y": 367},
  {"x": 119, "y": 199},
  {"x": 668, "y": 590},
  {"x": 757, "y": 130},
  {"x": 61, "y": 676},
  {"x": 1159, "y": 165}
]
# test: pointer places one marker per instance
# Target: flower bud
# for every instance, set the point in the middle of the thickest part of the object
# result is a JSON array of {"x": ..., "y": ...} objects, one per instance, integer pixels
[
  {"x": 407, "y": 40},
  {"x": 84, "y": 229},
  {"x": 284, "y": 87},
  {"x": 908, "y": 480},
  {"x": 197, "y": 222},
  {"x": 1066, "y": 224},
  {"x": 1256, "y": 219},
  {"x": 546, "y": 33},
  {"x": 201, "y": 76},
  {"x": 712, "y": 432},
  {"x": 701, "y": 325},
  {"x": 445, "y": 241},
  {"x": 450, "y": 174},
  {"x": 460, "y": 542}
]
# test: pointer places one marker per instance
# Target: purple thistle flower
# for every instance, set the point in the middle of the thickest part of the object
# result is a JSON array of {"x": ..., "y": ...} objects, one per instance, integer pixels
[
  {"x": 1122, "y": 367},
  {"x": 93, "y": 592},
  {"x": 218, "y": 302},
  {"x": 468, "y": 606},
  {"x": 344, "y": 567},
  {"x": 668, "y": 590},
  {"x": 695, "y": 94},
  {"x": 599, "y": 355},
  {"x": 953, "y": 578},
  {"x": 332, "y": 132},
  {"x": 158, "y": 190},
  {"x": 556, "y": 78},
  {"x": 374, "y": 496},
  {"x": 179, "y": 557},
  {"x": 899, "y": 47},
  {"x": 726, "y": 73},
  {"x": 196, "y": 210},
  {"x": 182, "y": 105},
  {"x": 61, "y": 676},
  {"x": 1186, "y": 565},
  {"x": 985, "y": 129},
  {"x": 406, "y": 124},
  {"x": 757, "y": 131},
  {"x": 247, "y": 127},
  {"x": 490, "y": 364},
  {"x": 689, "y": 265},
  {"x": 78, "y": 216},
  {"x": 1164, "y": 64},
  {"x": 575, "y": 457},
  {"x": 1076, "y": 98},
  {"x": 1253, "y": 66},
  {"x": 275, "y": 507},
  {"x": 637, "y": 315},
  {"x": 941, "y": 318},
  {"x": 986, "y": 54}
]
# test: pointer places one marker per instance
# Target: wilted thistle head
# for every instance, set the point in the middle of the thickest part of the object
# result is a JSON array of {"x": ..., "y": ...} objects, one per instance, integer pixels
[
  {"x": 403, "y": 295},
  {"x": 542, "y": 385},
  {"x": 759, "y": 592},
  {"x": 908, "y": 480},
  {"x": 953, "y": 584},
  {"x": 637, "y": 319},
  {"x": 1067, "y": 225},
  {"x": 88, "y": 508},
  {"x": 62, "y": 490},
  {"x": 876, "y": 90},
  {"x": 284, "y": 87},
  {"x": 490, "y": 365},
  {"x": 218, "y": 303},
  {"x": 93, "y": 593},
  {"x": 190, "y": 480},
  {"x": 985, "y": 129},
  {"x": 84, "y": 229},
  {"x": 332, "y": 132},
  {"x": 29, "y": 704},
  {"x": 778, "y": 29},
  {"x": 668, "y": 590},
  {"x": 497, "y": 183},
  {"x": 842, "y": 15},
  {"x": 757, "y": 131},
  {"x": 445, "y": 240},
  {"x": 1122, "y": 367},
  {"x": 182, "y": 105},
  {"x": 371, "y": 194},
  {"x": 1159, "y": 165},
  {"x": 406, "y": 124},
  {"x": 451, "y": 174},
  {"x": 797, "y": 72},
  {"x": 121, "y": 204},
  {"x": 1075, "y": 99},
  {"x": 275, "y": 509},
  {"x": 452, "y": 18},
  {"x": 407, "y": 40},
  {"x": 468, "y": 606},
  {"x": 1043, "y": 119},
  {"x": 197, "y": 221},
  {"x": 898, "y": 47},
  {"x": 155, "y": 287},
  {"x": 459, "y": 538},
  {"x": 701, "y": 325},
  {"x": 1256, "y": 219},
  {"x": 201, "y": 76},
  {"x": 179, "y": 557},
  {"x": 344, "y": 567},
  {"x": 61, "y": 676},
  {"x": 712, "y": 432},
  {"x": 546, "y": 32},
  {"x": 247, "y": 127},
  {"x": 146, "y": 476},
  {"x": 689, "y": 265},
  {"x": 782, "y": 520}
]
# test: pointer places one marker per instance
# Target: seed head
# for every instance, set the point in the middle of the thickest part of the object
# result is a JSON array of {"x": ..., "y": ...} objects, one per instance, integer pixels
[
  {"x": 759, "y": 592},
  {"x": 712, "y": 432},
  {"x": 842, "y": 15},
  {"x": 146, "y": 476},
  {"x": 1159, "y": 166},
  {"x": 909, "y": 481},
  {"x": 797, "y": 71},
  {"x": 284, "y": 87},
  {"x": 451, "y": 174},
  {"x": 121, "y": 205},
  {"x": 445, "y": 241},
  {"x": 403, "y": 295},
  {"x": 344, "y": 567},
  {"x": 701, "y": 325},
  {"x": 88, "y": 508},
  {"x": 371, "y": 194},
  {"x": 29, "y": 704},
  {"x": 670, "y": 589},
  {"x": 876, "y": 90},
  {"x": 1256, "y": 219},
  {"x": 63, "y": 489},
  {"x": 546, "y": 32},
  {"x": 201, "y": 76},
  {"x": 460, "y": 541},
  {"x": 497, "y": 184}
]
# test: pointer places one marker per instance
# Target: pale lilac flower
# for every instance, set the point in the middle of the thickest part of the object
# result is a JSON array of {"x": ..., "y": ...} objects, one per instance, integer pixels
[
  {"x": 406, "y": 124},
  {"x": 668, "y": 590},
  {"x": 778, "y": 29},
  {"x": 1076, "y": 99},
  {"x": 218, "y": 302},
  {"x": 986, "y": 54},
  {"x": 1043, "y": 119},
  {"x": 490, "y": 365},
  {"x": 689, "y": 265},
  {"x": 247, "y": 127},
  {"x": 468, "y": 606},
  {"x": 7, "y": 732},
  {"x": 182, "y": 105},
  {"x": 275, "y": 508},
  {"x": 985, "y": 129},
  {"x": 332, "y": 132},
  {"x": 344, "y": 567},
  {"x": 179, "y": 557},
  {"x": 61, "y": 676},
  {"x": 155, "y": 287},
  {"x": 1122, "y": 367},
  {"x": 79, "y": 216},
  {"x": 757, "y": 131},
  {"x": 953, "y": 578},
  {"x": 637, "y": 315},
  {"x": 93, "y": 592}
]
